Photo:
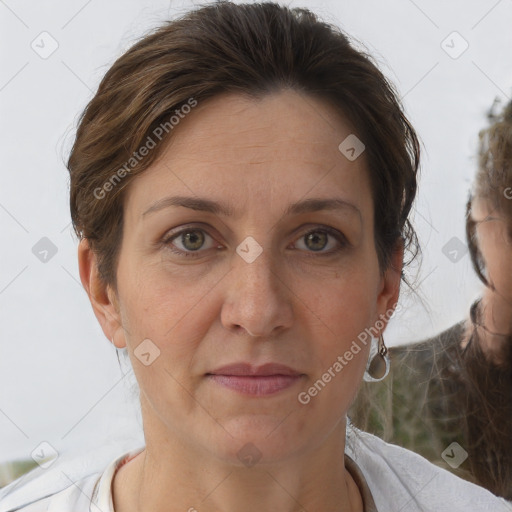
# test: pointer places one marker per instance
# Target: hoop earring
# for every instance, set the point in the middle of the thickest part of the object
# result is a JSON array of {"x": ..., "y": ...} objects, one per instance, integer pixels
[{"x": 378, "y": 365}]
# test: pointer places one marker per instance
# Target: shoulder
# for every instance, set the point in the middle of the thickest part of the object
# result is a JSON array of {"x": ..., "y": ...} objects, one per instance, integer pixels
[
  {"x": 72, "y": 490},
  {"x": 402, "y": 480},
  {"x": 77, "y": 497},
  {"x": 445, "y": 339},
  {"x": 425, "y": 358}
]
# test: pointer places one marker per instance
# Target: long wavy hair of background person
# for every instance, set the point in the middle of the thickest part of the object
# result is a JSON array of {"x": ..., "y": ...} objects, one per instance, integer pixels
[{"x": 485, "y": 394}]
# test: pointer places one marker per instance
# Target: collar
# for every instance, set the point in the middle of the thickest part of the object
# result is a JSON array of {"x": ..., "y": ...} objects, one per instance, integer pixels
[{"x": 102, "y": 494}]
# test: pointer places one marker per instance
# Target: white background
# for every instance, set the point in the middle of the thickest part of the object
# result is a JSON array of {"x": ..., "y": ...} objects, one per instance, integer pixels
[{"x": 59, "y": 377}]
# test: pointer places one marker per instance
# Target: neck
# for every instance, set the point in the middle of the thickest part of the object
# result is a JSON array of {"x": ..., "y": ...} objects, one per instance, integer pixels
[{"x": 171, "y": 476}]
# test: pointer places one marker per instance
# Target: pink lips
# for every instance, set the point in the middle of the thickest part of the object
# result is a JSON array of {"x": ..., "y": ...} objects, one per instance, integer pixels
[{"x": 263, "y": 380}]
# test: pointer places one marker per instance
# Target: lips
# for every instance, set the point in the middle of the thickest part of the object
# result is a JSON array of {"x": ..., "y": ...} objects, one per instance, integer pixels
[
  {"x": 267, "y": 379},
  {"x": 245, "y": 369}
]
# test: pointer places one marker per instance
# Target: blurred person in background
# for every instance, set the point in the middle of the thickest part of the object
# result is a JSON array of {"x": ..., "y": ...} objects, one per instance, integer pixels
[{"x": 457, "y": 386}]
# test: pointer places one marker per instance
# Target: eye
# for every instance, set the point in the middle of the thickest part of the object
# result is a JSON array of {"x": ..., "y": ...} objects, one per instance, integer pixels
[
  {"x": 188, "y": 241},
  {"x": 318, "y": 239}
]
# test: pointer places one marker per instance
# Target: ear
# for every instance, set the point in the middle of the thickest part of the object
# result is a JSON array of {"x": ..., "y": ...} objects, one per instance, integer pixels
[
  {"x": 103, "y": 298},
  {"x": 390, "y": 284}
]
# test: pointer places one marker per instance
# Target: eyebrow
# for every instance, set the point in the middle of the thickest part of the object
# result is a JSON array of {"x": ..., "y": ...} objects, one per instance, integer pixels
[{"x": 207, "y": 205}]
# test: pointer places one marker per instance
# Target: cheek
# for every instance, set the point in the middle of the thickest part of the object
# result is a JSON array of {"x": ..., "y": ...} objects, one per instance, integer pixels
[
  {"x": 153, "y": 288},
  {"x": 495, "y": 258},
  {"x": 348, "y": 303},
  {"x": 174, "y": 317},
  {"x": 169, "y": 310},
  {"x": 500, "y": 270},
  {"x": 344, "y": 309},
  {"x": 339, "y": 362}
]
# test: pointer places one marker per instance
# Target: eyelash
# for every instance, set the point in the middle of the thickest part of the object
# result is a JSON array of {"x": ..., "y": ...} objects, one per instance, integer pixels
[{"x": 340, "y": 238}]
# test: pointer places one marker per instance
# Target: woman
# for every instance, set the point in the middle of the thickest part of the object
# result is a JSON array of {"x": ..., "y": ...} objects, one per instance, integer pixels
[
  {"x": 457, "y": 386},
  {"x": 241, "y": 184}
]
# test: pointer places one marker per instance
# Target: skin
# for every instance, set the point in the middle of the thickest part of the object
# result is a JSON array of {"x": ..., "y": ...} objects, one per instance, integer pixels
[
  {"x": 292, "y": 305},
  {"x": 495, "y": 243}
]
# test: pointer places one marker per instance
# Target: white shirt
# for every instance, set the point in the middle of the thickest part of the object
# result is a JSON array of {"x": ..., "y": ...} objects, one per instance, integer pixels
[{"x": 399, "y": 480}]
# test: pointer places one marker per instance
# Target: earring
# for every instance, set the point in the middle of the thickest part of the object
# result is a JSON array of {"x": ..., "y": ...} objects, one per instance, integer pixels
[{"x": 378, "y": 364}]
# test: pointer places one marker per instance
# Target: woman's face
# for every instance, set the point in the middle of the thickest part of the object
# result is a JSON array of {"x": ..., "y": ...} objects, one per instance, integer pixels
[
  {"x": 250, "y": 268},
  {"x": 494, "y": 238}
]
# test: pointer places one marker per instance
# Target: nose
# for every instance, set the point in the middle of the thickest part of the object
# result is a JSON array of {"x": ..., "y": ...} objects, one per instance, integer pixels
[{"x": 258, "y": 299}]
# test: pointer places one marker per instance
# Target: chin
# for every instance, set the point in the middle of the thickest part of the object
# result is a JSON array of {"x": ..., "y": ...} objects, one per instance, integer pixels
[{"x": 257, "y": 438}]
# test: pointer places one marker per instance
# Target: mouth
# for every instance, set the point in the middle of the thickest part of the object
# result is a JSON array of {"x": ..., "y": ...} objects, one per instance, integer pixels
[{"x": 267, "y": 379}]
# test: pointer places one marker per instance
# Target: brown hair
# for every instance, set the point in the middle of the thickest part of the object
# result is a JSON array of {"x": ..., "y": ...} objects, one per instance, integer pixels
[
  {"x": 251, "y": 49},
  {"x": 493, "y": 181}
]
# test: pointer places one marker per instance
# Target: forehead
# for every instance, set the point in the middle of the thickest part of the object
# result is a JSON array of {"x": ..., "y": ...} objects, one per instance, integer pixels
[
  {"x": 277, "y": 148},
  {"x": 482, "y": 208}
]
